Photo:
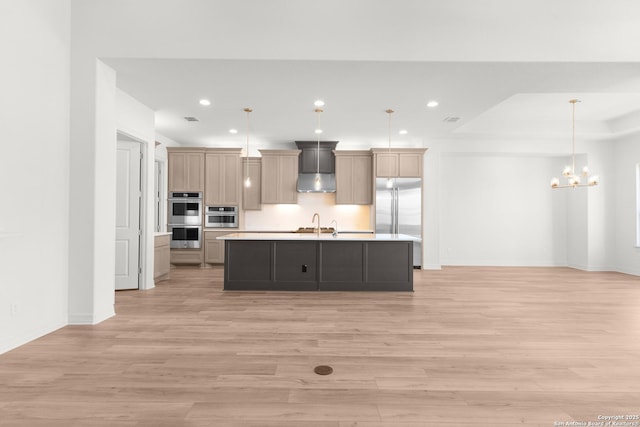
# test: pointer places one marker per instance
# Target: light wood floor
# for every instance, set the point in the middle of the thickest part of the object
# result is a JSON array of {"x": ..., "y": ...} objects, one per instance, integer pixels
[{"x": 470, "y": 347}]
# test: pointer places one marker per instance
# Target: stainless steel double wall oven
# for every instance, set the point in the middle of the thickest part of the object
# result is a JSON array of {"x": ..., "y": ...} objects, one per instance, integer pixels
[{"x": 185, "y": 219}]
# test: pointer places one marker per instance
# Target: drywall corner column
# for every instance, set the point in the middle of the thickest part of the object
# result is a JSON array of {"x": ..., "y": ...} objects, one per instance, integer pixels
[
  {"x": 92, "y": 191},
  {"x": 431, "y": 209}
]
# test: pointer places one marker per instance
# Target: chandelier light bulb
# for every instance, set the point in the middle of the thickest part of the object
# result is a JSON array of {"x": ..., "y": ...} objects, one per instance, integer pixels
[
  {"x": 567, "y": 171},
  {"x": 318, "y": 131},
  {"x": 555, "y": 182},
  {"x": 574, "y": 180},
  {"x": 585, "y": 171},
  {"x": 594, "y": 180}
]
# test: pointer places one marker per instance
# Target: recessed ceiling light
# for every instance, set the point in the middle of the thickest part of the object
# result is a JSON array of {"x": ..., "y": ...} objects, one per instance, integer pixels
[
  {"x": 403, "y": 132},
  {"x": 432, "y": 104},
  {"x": 233, "y": 130},
  {"x": 205, "y": 102},
  {"x": 318, "y": 131},
  {"x": 319, "y": 103}
]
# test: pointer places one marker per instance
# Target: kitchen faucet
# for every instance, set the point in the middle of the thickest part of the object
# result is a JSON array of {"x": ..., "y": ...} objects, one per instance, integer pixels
[
  {"x": 335, "y": 229},
  {"x": 314, "y": 220}
]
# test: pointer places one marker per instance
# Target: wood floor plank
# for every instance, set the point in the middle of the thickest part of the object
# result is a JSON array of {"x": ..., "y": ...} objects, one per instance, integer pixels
[{"x": 483, "y": 346}]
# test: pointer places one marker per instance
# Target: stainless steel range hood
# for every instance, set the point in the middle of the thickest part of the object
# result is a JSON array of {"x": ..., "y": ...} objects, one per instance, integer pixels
[{"x": 312, "y": 160}]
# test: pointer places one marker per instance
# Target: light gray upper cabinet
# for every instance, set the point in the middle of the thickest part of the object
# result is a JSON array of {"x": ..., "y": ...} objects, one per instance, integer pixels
[
  {"x": 186, "y": 169},
  {"x": 354, "y": 177},
  {"x": 279, "y": 176},
  {"x": 222, "y": 177},
  {"x": 398, "y": 162}
]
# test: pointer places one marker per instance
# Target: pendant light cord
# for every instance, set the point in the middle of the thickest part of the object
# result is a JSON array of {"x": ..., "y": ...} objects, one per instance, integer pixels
[
  {"x": 318, "y": 110},
  {"x": 573, "y": 136},
  {"x": 246, "y": 163}
]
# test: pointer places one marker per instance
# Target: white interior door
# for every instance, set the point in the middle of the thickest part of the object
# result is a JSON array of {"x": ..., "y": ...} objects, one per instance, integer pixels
[{"x": 128, "y": 197}]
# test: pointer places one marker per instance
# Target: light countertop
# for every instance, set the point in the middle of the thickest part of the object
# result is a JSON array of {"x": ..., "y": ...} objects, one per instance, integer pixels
[
  {"x": 323, "y": 236},
  {"x": 162, "y": 233}
]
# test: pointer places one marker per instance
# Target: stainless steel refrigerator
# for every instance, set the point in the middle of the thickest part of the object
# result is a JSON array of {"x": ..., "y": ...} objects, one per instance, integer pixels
[{"x": 399, "y": 210}]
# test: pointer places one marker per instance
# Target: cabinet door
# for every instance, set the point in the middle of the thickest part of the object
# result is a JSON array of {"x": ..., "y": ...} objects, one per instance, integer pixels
[
  {"x": 354, "y": 179},
  {"x": 186, "y": 171},
  {"x": 223, "y": 180},
  {"x": 195, "y": 171},
  {"x": 177, "y": 172},
  {"x": 251, "y": 195},
  {"x": 213, "y": 248},
  {"x": 213, "y": 190},
  {"x": 161, "y": 259},
  {"x": 362, "y": 180},
  {"x": 230, "y": 180},
  {"x": 270, "y": 179},
  {"x": 386, "y": 165},
  {"x": 287, "y": 179},
  {"x": 279, "y": 176},
  {"x": 344, "y": 179},
  {"x": 409, "y": 165}
]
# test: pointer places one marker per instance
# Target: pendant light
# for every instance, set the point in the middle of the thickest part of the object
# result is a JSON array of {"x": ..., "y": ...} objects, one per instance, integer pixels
[
  {"x": 569, "y": 172},
  {"x": 318, "y": 181},
  {"x": 247, "y": 179},
  {"x": 389, "y": 113}
]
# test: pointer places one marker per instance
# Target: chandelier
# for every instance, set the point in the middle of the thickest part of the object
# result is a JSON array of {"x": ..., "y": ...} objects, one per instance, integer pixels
[{"x": 569, "y": 172}]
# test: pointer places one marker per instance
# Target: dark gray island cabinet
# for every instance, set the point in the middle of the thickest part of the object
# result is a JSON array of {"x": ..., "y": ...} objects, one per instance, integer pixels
[{"x": 295, "y": 262}]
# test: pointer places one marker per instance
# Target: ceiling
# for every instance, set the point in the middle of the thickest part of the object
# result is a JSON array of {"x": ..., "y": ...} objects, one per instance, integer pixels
[
  {"x": 490, "y": 99},
  {"x": 370, "y": 57}
]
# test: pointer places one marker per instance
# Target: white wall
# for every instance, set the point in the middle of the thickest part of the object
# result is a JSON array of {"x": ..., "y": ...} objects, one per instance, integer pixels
[
  {"x": 34, "y": 165},
  {"x": 623, "y": 211},
  {"x": 498, "y": 209}
]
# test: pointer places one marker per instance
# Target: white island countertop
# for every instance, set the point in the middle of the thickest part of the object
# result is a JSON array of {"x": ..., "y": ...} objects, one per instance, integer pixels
[{"x": 345, "y": 237}]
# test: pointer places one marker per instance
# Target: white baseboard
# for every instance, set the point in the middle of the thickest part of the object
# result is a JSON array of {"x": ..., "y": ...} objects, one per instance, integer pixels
[
  {"x": 30, "y": 336},
  {"x": 89, "y": 318}
]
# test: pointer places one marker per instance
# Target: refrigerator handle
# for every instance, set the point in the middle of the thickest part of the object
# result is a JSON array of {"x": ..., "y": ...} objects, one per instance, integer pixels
[{"x": 395, "y": 210}]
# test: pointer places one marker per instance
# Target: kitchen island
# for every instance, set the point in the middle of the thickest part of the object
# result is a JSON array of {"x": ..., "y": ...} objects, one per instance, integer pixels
[{"x": 308, "y": 262}]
